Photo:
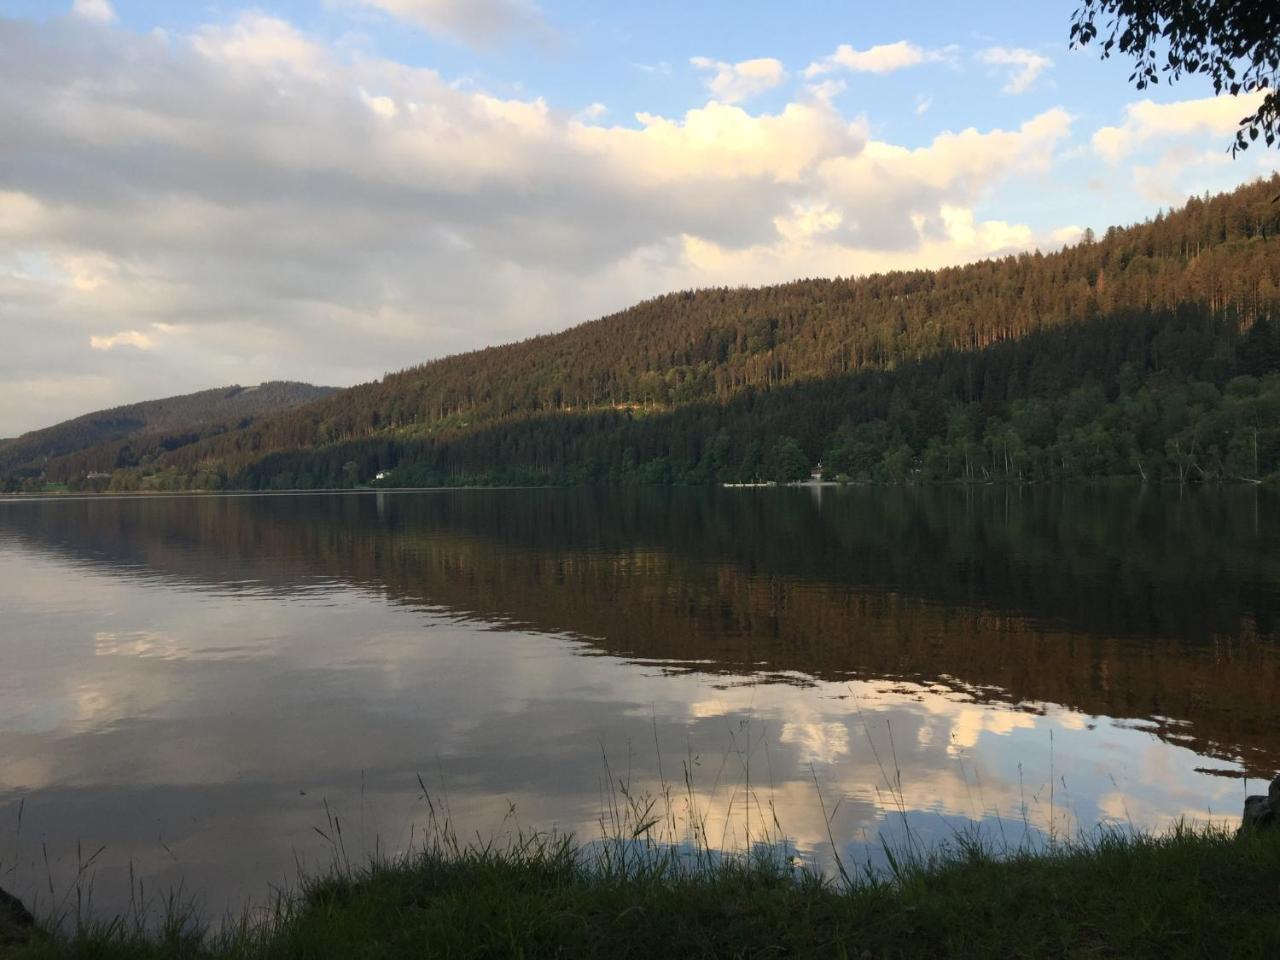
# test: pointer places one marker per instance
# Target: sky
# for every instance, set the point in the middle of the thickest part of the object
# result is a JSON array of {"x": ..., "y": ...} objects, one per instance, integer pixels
[{"x": 199, "y": 194}]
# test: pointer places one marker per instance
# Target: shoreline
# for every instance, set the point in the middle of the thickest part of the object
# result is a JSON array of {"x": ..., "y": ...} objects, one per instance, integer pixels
[
  {"x": 1238, "y": 483},
  {"x": 1189, "y": 892}
]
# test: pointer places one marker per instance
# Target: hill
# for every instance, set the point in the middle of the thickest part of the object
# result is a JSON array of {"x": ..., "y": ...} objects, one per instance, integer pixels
[
  {"x": 1151, "y": 351},
  {"x": 165, "y": 424}
]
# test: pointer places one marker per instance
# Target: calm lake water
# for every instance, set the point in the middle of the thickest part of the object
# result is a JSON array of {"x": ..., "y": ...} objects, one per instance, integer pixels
[{"x": 186, "y": 683}]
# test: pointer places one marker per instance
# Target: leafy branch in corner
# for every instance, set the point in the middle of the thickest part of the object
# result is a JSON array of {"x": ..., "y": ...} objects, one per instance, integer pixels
[{"x": 1236, "y": 43}]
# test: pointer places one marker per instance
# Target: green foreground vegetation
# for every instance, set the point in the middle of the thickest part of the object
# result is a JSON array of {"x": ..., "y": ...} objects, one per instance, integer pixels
[{"x": 1189, "y": 893}]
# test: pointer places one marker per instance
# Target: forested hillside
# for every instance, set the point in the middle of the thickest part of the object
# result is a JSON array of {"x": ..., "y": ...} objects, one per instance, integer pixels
[
  {"x": 1177, "y": 395},
  {"x": 1151, "y": 351},
  {"x": 161, "y": 424}
]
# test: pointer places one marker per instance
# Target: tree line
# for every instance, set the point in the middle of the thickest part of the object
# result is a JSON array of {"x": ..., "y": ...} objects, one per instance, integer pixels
[{"x": 1178, "y": 396}]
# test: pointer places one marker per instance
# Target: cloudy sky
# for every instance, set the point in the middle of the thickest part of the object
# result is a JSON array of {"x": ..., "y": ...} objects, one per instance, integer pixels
[{"x": 196, "y": 194}]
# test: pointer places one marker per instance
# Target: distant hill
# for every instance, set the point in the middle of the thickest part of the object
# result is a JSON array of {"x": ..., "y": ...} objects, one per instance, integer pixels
[{"x": 167, "y": 423}]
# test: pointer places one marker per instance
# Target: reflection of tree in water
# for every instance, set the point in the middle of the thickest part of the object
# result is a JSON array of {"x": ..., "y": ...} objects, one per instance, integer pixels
[{"x": 1117, "y": 601}]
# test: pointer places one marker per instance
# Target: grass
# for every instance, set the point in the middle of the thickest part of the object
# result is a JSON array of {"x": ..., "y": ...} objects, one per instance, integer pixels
[
  {"x": 657, "y": 884},
  {"x": 1188, "y": 893}
]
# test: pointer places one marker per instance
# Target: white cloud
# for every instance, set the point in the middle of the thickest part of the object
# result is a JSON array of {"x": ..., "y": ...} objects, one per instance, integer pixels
[
  {"x": 477, "y": 22},
  {"x": 807, "y": 222},
  {"x": 125, "y": 338},
  {"x": 735, "y": 82},
  {"x": 256, "y": 40},
  {"x": 99, "y": 11},
  {"x": 662, "y": 68},
  {"x": 1163, "y": 182},
  {"x": 883, "y": 58},
  {"x": 891, "y": 208},
  {"x": 1146, "y": 121},
  {"x": 1027, "y": 66},
  {"x": 725, "y": 143},
  {"x": 923, "y": 103},
  {"x": 20, "y": 214},
  {"x": 384, "y": 107},
  {"x": 827, "y": 90},
  {"x": 900, "y": 194},
  {"x": 1066, "y": 235}
]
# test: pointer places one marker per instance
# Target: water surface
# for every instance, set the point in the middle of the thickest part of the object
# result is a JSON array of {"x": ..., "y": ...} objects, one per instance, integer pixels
[{"x": 193, "y": 685}]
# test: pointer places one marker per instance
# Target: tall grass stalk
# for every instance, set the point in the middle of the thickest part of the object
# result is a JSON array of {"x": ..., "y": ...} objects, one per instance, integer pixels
[{"x": 653, "y": 883}]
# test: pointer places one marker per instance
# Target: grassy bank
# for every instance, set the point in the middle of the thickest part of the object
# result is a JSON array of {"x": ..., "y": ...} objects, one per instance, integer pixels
[{"x": 1189, "y": 893}]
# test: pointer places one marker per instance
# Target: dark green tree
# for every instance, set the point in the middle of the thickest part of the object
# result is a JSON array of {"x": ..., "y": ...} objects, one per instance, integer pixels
[{"x": 787, "y": 461}]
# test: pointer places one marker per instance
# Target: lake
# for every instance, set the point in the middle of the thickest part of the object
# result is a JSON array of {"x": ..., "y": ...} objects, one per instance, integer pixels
[{"x": 194, "y": 688}]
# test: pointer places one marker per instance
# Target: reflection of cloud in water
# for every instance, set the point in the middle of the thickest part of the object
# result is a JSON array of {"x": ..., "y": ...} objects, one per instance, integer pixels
[
  {"x": 816, "y": 742},
  {"x": 710, "y": 707},
  {"x": 27, "y": 772},
  {"x": 94, "y": 706},
  {"x": 966, "y": 724},
  {"x": 168, "y": 646},
  {"x": 140, "y": 643}
]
